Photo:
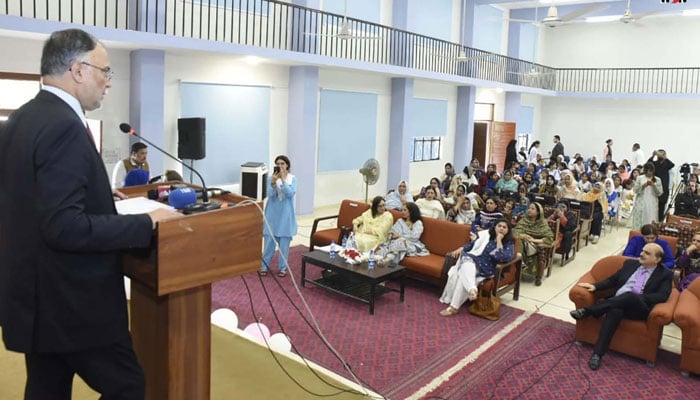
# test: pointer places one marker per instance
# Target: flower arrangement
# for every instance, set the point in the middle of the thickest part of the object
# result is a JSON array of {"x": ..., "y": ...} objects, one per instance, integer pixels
[{"x": 353, "y": 256}]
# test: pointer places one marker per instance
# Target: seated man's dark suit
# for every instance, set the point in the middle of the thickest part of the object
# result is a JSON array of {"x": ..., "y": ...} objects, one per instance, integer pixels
[{"x": 628, "y": 305}]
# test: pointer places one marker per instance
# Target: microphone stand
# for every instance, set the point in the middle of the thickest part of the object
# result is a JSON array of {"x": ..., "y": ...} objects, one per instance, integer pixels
[{"x": 205, "y": 205}]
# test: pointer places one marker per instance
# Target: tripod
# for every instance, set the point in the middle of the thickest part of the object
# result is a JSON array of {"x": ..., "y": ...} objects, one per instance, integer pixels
[{"x": 678, "y": 188}]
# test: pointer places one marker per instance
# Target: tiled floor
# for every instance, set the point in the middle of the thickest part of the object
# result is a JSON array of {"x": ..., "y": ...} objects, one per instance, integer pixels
[{"x": 550, "y": 299}]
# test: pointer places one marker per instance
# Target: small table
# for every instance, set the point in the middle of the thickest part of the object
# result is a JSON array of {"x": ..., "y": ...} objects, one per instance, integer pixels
[{"x": 353, "y": 280}]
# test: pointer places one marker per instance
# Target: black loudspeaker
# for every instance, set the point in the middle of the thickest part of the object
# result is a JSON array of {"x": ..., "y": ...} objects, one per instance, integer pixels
[{"x": 191, "y": 139}]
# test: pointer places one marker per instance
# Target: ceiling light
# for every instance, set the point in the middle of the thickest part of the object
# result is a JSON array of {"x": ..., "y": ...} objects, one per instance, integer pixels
[
  {"x": 252, "y": 60},
  {"x": 603, "y": 18}
]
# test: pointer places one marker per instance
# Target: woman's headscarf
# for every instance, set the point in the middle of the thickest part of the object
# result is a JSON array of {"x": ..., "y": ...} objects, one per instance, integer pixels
[
  {"x": 612, "y": 186},
  {"x": 601, "y": 197},
  {"x": 538, "y": 228}
]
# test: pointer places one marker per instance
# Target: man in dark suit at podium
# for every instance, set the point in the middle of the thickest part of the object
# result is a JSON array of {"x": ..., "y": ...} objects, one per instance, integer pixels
[
  {"x": 639, "y": 285},
  {"x": 62, "y": 299}
]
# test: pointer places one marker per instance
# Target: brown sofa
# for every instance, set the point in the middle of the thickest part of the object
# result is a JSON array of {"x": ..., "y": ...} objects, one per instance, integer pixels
[
  {"x": 635, "y": 338},
  {"x": 440, "y": 237},
  {"x": 687, "y": 317},
  {"x": 349, "y": 210}
]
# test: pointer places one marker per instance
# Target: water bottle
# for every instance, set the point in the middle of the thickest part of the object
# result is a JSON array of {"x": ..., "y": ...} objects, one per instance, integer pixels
[
  {"x": 331, "y": 254},
  {"x": 370, "y": 262},
  {"x": 345, "y": 242}
]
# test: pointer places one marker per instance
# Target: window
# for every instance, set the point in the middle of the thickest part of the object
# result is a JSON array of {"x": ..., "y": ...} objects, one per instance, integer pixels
[
  {"x": 426, "y": 148},
  {"x": 483, "y": 111}
]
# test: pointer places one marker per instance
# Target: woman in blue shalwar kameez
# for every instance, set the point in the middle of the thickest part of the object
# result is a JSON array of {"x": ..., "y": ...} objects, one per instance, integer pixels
[
  {"x": 477, "y": 261},
  {"x": 279, "y": 213}
]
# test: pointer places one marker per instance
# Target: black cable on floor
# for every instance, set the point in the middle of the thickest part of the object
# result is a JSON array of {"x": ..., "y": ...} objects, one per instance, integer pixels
[
  {"x": 274, "y": 312},
  {"x": 310, "y": 325},
  {"x": 274, "y": 356}
]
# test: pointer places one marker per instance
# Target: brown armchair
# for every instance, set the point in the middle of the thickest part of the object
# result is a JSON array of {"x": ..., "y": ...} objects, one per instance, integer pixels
[
  {"x": 687, "y": 317},
  {"x": 349, "y": 210},
  {"x": 635, "y": 338}
]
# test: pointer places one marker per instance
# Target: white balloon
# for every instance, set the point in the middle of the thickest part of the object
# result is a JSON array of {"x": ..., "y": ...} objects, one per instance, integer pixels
[
  {"x": 225, "y": 318},
  {"x": 280, "y": 342},
  {"x": 259, "y": 331}
]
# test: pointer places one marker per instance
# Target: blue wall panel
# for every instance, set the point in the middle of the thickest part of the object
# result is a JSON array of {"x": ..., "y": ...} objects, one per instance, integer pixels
[
  {"x": 347, "y": 130},
  {"x": 489, "y": 24},
  {"x": 366, "y": 10},
  {"x": 430, "y": 18},
  {"x": 525, "y": 120},
  {"x": 237, "y": 127},
  {"x": 429, "y": 117}
]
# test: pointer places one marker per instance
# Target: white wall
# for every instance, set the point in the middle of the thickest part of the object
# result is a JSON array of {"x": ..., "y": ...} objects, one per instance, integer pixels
[
  {"x": 651, "y": 42},
  {"x": 584, "y": 125}
]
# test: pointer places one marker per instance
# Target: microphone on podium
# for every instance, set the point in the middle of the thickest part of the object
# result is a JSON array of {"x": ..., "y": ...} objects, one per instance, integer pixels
[{"x": 206, "y": 205}]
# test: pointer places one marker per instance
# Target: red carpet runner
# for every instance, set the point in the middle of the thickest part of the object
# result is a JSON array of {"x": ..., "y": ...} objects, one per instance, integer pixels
[
  {"x": 620, "y": 377},
  {"x": 396, "y": 351}
]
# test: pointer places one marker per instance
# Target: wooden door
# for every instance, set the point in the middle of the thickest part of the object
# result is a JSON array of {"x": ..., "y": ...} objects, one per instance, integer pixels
[
  {"x": 481, "y": 130},
  {"x": 500, "y": 135}
]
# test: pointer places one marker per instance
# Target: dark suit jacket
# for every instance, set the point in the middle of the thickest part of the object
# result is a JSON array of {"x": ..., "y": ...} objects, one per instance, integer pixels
[
  {"x": 61, "y": 283},
  {"x": 656, "y": 290}
]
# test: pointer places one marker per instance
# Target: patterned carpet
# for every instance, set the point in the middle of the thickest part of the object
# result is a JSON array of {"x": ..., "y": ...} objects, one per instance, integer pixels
[
  {"x": 512, "y": 369},
  {"x": 395, "y": 351}
]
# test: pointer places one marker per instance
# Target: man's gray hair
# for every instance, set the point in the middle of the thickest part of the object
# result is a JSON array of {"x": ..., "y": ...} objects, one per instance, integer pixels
[{"x": 63, "y": 48}]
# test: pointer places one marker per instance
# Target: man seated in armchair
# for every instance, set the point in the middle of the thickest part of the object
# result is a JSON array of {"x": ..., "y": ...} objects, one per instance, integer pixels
[
  {"x": 639, "y": 285},
  {"x": 650, "y": 235}
]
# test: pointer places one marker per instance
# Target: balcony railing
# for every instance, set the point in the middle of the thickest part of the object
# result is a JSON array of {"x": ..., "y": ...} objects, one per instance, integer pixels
[{"x": 282, "y": 26}]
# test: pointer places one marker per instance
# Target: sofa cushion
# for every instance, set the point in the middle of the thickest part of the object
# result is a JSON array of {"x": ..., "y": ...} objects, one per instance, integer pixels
[
  {"x": 442, "y": 237},
  {"x": 430, "y": 265},
  {"x": 325, "y": 237}
]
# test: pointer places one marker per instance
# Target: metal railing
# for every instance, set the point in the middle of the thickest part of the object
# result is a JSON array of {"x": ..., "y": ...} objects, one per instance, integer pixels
[{"x": 282, "y": 26}]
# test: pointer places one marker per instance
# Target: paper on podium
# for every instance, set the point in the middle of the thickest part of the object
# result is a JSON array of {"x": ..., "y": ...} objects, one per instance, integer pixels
[{"x": 139, "y": 205}]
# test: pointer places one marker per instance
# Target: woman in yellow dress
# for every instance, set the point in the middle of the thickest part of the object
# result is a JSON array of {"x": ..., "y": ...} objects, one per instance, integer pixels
[{"x": 372, "y": 227}]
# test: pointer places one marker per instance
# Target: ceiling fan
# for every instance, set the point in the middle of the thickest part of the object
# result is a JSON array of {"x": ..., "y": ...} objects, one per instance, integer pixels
[
  {"x": 345, "y": 32},
  {"x": 553, "y": 19},
  {"x": 628, "y": 17}
]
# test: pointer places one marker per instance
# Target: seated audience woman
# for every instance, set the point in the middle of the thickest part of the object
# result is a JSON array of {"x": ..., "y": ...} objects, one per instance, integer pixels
[
  {"x": 567, "y": 226},
  {"x": 689, "y": 262},
  {"x": 462, "y": 212},
  {"x": 649, "y": 235},
  {"x": 569, "y": 189},
  {"x": 371, "y": 228},
  {"x": 531, "y": 184},
  {"x": 533, "y": 230},
  {"x": 404, "y": 237},
  {"x": 477, "y": 261},
  {"x": 486, "y": 217},
  {"x": 507, "y": 183},
  {"x": 647, "y": 189},
  {"x": 600, "y": 208},
  {"x": 550, "y": 187},
  {"x": 435, "y": 184},
  {"x": 395, "y": 200},
  {"x": 429, "y": 206},
  {"x": 585, "y": 183}
]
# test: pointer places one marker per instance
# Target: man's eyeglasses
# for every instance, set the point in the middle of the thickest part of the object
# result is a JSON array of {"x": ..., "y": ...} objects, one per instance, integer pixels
[{"x": 107, "y": 71}]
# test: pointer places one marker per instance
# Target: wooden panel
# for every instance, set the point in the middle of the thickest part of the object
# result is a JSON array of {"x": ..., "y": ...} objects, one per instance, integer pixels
[
  {"x": 172, "y": 340},
  {"x": 199, "y": 248},
  {"x": 207, "y": 247},
  {"x": 501, "y": 134},
  {"x": 480, "y": 140}
]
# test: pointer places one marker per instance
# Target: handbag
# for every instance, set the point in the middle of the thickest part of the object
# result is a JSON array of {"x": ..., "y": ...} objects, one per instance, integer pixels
[
  {"x": 486, "y": 306},
  {"x": 530, "y": 248}
]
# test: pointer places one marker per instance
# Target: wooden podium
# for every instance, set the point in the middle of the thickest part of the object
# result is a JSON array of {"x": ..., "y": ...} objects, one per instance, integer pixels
[{"x": 171, "y": 292}]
